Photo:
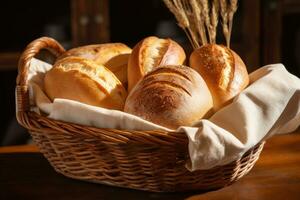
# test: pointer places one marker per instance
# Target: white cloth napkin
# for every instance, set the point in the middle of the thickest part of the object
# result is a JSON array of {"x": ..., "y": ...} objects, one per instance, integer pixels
[{"x": 269, "y": 105}]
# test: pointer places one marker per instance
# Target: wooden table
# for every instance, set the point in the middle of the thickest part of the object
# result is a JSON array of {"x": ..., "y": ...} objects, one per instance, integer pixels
[{"x": 26, "y": 174}]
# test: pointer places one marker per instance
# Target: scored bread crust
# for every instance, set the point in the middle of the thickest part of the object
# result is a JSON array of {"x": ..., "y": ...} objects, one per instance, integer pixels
[
  {"x": 170, "y": 96},
  {"x": 150, "y": 53},
  {"x": 113, "y": 56},
  {"x": 223, "y": 71},
  {"x": 83, "y": 80},
  {"x": 99, "y": 53}
]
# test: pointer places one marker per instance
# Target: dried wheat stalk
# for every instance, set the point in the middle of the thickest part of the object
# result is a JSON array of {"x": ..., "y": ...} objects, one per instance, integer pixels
[
  {"x": 232, "y": 10},
  {"x": 214, "y": 19},
  {"x": 198, "y": 21},
  {"x": 224, "y": 17},
  {"x": 227, "y": 12},
  {"x": 199, "y": 18},
  {"x": 175, "y": 6},
  {"x": 205, "y": 15}
]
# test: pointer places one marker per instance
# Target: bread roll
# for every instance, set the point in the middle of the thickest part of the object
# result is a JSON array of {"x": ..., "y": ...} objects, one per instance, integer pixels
[
  {"x": 223, "y": 71},
  {"x": 151, "y": 53},
  {"x": 113, "y": 56},
  {"x": 83, "y": 80},
  {"x": 170, "y": 96}
]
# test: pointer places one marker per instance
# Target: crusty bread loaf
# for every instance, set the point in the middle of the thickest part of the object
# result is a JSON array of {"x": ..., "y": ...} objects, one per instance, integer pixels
[
  {"x": 170, "y": 96},
  {"x": 223, "y": 71},
  {"x": 151, "y": 53},
  {"x": 113, "y": 56},
  {"x": 83, "y": 80}
]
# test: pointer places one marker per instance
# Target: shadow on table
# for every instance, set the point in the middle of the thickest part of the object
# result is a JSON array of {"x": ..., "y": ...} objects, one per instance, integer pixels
[{"x": 30, "y": 176}]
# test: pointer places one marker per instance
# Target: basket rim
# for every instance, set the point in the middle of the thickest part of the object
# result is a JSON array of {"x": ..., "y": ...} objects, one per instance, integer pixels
[{"x": 37, "y": 123}]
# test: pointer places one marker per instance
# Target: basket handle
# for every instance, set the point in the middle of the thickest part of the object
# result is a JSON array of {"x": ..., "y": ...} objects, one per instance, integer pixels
[{"x": 32, "y": 49}]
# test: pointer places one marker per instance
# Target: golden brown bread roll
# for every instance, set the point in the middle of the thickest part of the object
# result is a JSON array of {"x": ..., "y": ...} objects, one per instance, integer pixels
[
  {"x": 151, "y": 53},
  {"x": 113, "y": 56},
  {"x": 83, "y": 80},
  {"x": 223, "y": 71},
  {"x": 170, "y": 96}
]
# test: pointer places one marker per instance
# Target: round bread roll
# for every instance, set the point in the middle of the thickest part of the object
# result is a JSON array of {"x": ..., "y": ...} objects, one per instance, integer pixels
[
  {"x": 151, "y": 53},
  {"x": 170, "y": 96},
  {"x": 83, "y": 80},
  {"x": 113, "y": 56},
  {"x": 223, "y": 71}
]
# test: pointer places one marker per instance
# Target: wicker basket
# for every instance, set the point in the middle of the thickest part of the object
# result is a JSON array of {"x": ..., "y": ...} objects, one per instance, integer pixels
[{"x": 144, "y": 160}]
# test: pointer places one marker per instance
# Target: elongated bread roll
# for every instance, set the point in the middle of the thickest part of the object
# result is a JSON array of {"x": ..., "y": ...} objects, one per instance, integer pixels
[
  {"x": 170, "y": 96},
  {"x": 113, "y": 56},
  {"x": 83, "y": 80},
  {"x": 223, "y": 71},
  {"x": 151, "y": 53}
]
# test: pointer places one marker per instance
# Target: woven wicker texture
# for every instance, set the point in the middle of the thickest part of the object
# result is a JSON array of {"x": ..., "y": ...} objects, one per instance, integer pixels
[{"x": 144, "y": 160}]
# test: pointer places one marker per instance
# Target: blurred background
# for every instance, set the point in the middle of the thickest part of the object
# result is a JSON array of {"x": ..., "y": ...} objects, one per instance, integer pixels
[{"x": 264, "y": 32}]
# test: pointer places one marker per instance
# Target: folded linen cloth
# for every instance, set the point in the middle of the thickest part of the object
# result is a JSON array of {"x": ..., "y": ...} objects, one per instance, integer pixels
[{"x": 268, "y": 106}]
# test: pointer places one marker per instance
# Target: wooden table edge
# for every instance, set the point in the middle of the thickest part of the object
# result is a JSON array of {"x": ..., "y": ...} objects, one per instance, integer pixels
[{"x": 31, "y": 148}]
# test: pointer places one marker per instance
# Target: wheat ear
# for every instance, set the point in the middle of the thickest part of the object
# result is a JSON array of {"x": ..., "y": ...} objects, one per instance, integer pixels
[
  {"x": 214, "y": 19},
  {"x": 199, "y": 18}
]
